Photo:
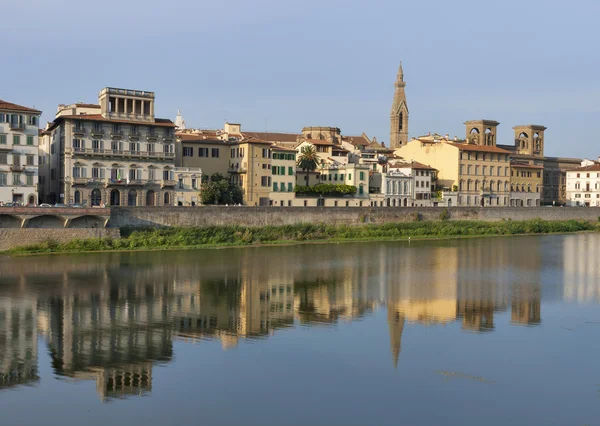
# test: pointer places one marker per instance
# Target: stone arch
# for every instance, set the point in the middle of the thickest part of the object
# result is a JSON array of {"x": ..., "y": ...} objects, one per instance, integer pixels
[
  {"x": 87, "y": 221},
  {"x": 150, "y": 198},
  {"x": 10, "y": 221},
  {"x": 115, "y": 197},
  {"x": 474, "y": 131},
  {"x": 132, "y": 198},
  {"x": 46, "y": 221}
]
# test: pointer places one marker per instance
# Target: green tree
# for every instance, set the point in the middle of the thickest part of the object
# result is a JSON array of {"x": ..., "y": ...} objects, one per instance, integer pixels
[
  {"x": 308, "y": 160},
  {"x": 219, "y": 190}
]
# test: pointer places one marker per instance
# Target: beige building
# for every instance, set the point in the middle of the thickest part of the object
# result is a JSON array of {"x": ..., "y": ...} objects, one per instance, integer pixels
[
  {"x": 204, "y": 150},
  {"x": 114, "y": 153},
  {"x": 283, "y": 170},
  {"x": 250, "y": 168},
  {"x": 189, "y": 181},
  {"x": 476, "y": 167},
  {"x": 526, "y": 184},
  {"x": 19, "y": 127}
]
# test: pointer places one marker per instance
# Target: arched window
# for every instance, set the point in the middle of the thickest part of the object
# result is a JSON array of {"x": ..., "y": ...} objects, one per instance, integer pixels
[
  {"x": 468, "y": 200},
  {"x": 461, "y": 185},
  {"x": 150, "y": 198},
  {"x": 506, "y": 186},
  {"x": 77, "y": 197},
  {"x": 389, "y": 187},
  {"x": 529, "y": 188},
  {"x": 499, "y": 186},
  {"x": 96, "y": 197},
  {"x": 476, "y": 185},
  {"x": 469, "y": 185},
  {"x": 132, "y": 197},
  {"x": 167, "y": 199},
  {"x": 115, "y": 197},
  {"x": 492, "y": 184},
  {"x": 405, "y": 187},
  {"x": 401, "y": 122}
]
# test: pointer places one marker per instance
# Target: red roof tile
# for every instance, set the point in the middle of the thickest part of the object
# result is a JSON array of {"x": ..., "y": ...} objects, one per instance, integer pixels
[
  {"x": 14, "y": 107},
  {"x": 272, "y": 137},
  {"x": 163, "y": 122},
  {"x": 319, "y": 142},
  {"x": 592, "y": 168},
  {"x": 480, "y": 148}
]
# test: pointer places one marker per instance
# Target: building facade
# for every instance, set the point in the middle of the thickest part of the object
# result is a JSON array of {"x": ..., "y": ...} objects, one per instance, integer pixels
[
  {"x": 19, "y": 140},
  {"x": 526, "y": 184},
  {"x": 583, "y": 186},
  {"x": 283, "y": 170},
  {"x": 115, "y": 153}
]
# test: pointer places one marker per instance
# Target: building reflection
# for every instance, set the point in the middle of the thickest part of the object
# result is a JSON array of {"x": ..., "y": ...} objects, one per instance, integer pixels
[
  {"x": 111, "y": 318},
  {"x": 581, "y": 269}
]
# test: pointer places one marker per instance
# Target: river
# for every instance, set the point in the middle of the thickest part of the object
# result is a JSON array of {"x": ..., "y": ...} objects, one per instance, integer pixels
[{"x": 490, "y": 331}]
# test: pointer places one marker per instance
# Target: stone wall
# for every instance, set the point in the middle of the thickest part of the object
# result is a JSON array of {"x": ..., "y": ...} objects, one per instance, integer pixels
[
  {"x": 260, "y": 216},
  {"x": 14, "y": 237}
]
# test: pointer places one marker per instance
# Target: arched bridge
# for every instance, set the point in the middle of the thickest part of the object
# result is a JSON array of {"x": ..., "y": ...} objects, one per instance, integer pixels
[{"x": 53, "y": 217}]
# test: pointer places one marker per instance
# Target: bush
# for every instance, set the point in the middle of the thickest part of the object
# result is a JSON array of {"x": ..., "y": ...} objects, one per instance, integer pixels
[
  {"x": 445, "y": 214},
  {"x": 326, "y": 189}
]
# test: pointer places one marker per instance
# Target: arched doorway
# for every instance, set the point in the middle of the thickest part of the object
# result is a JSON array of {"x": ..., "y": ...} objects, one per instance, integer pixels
[
  {"x": 167, "y": 199},
  {"x": 150, "y": 198},
  {"x": 77, "y": 197},
  {"x": 96, "y": 197},
  {"x": 405, "y": 202},
  {"x": 449, "y": 202},
  {"x": 31, "y": 200},
  {"x": 132, "y": 197},
  {"x": 115, "y": 197}
]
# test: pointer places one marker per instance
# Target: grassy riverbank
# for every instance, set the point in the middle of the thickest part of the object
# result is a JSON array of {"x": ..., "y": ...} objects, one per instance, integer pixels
[{"x": 170, "y": 238}]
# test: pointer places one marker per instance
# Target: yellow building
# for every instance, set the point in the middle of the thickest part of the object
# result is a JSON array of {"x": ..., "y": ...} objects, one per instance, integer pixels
[
  {"x": 250, "y": 168},
  {"x": 283, "y": 169},
  {"x": 475, "y": 166},
  {"x": 526, "y": 184},
  {"x": 204, "y": 150}
]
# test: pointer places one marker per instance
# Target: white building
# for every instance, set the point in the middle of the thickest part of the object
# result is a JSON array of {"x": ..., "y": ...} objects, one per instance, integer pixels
[
  {"x": 422, "y": 180},
  {"x": 19, "y": 128},
  {"x": 189, "y": 180},
  {"x": 396, "y": 187},
  {"x": 583, "y": 185}
]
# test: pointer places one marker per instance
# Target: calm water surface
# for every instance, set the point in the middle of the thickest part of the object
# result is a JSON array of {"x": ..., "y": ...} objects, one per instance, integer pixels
[{"x": 468, "y": 332}]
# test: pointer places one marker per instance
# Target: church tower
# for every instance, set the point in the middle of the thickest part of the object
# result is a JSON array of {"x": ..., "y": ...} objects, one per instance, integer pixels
[{"x": 399, "y": 114}]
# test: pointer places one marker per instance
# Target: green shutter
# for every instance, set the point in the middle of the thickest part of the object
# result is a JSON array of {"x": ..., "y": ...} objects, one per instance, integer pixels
[
  {"x": 29, "y": 140},
  {"x": 290, "y": 187},
  {"x": 16, "y": 139},
  {"x": 275, "y": 186},
  {"x": 282, "y": 186},
  {"x": 282, "y": 170},
  {"x": 3, "y": 139},
  {"x": 291, "y": 171},
  {"x": 274, "y": 170},
  {"x": 349, "y": 176},
  {"x": 362, "y": 175}
]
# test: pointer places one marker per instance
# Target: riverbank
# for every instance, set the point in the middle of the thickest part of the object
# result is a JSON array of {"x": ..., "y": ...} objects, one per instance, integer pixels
[{"x": 236, "y": 236}]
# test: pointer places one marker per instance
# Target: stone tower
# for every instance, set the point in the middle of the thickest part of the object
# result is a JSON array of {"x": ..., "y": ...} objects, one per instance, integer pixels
[
  {"x": 529, "y": 140},
  {"x": 482, "y": 132},
  {"x": 399, "y": 113}
]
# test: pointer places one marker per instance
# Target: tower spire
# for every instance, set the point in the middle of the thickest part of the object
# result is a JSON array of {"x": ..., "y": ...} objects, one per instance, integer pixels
[
  {"x": 399, "y": 113},
  {"x": 400, "y": 76}
]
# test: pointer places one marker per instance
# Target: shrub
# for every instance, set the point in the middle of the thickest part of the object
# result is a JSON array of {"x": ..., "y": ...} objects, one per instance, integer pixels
[{"x": 445, "y": 214}]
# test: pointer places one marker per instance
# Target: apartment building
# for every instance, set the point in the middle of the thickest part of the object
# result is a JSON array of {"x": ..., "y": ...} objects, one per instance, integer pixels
[
  {"x": 113, "y": 153},
  {"x": 526, "y": 184},
  {"x": 250, "y": 168},
  {"x": 583, "y": 186},
  {"x": 283, "y": 170},
  {"x": 19, "y": 127}
]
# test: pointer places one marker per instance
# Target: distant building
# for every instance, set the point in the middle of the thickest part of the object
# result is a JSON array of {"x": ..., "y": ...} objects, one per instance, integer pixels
[
  {"x": 19, "y": 126},
  {"x": 583, "y": 186},
  {"x": 399, "y": 113},
  {"x": 526, "y": 184},
  {"x": 283, "y": 170},
  {"x": 115, "y": 153}
]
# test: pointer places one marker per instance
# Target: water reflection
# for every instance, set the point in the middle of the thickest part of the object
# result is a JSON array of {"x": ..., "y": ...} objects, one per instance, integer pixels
[{"x": 112, "y": 317}]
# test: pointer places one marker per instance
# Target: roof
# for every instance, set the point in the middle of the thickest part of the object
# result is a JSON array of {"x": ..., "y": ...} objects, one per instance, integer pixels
[
  {"x": 14, "y": 107},
  {"x": 208, "y": 139},
  {"x": 479, "y": 148},
  {"x": 282, "y": 148},
  {"x": 251, "y": 140},
  {"x": 525, "y": 165},
  {"x": 319, "y": 142},
  {"x": 273, "y": 137},
  {"x": 163, "y": 122},
  {"x": 592, "y": 168},
  {"x": 80, "y": 105},
  {"x": 411, "y": 165},
  {"x": 357, "y": 140}
]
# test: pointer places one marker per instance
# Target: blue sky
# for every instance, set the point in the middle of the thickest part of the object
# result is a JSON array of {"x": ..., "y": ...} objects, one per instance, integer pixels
[{"x": 283, "y": 65}]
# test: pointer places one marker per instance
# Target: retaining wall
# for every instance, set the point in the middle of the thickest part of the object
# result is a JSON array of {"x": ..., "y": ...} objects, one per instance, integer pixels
[
  {"x": 260, "y": 216},
  {"x": 14, "y": 237}
]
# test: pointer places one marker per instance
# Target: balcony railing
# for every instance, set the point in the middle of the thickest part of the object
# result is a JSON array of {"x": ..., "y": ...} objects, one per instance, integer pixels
[
  {"x": 16, "y": 167},
  {"x": 168, "y": 138},
  {"x": 16, "y": 126},
  {"x": 119, "y": 153},
  {"x": 116, "y": 133},
  {"x": 78, "y": 130},
  {"x": 97, "y": 133},
  {"x": 168, "y": 183},
  {"x": 134, "y": 135},
  {"x": 152, "y": 136}
]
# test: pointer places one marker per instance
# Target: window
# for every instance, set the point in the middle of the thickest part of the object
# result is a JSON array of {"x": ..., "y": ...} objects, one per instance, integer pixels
[
  {"x": 215, "y": 153},
  {"x": 30, "y": 140},
  {"x": 16, "y": 179},
  {"x": 168, "y": 149},
  {"x": 30, "y": 160},
  {"x": 166, "y": 174},
  {"x": 134, "y": 147},
  {"x": 202, "y": 152},
  {"x": 266, "y": 153},
  {"x": 476, "y": 170},
  {"x": 265, "y": 181},
  {"x": 151, "y": 174},
  {"x": 491, "y": 170},
  {"x": 188, "y": 151},
  {"x": 274, "y": 170},
  {"x": 282, "y": 186},
  {"x": 360, "y": 190},
  {"x": 362, "y": 175},
  {"x": 29, "y": 179},
  {"x": 290, "y": 187},
  {"x": 96, "y": 145},
  {"x": 151, "y": 148},
  {"x": 539, "y": 174},
  {"x": 3, "y": 180},
  {"x": 468, "y": 169},
  {"x": 16, "y": 139},
  {"x": 194, "y": 183},
  {"x": 180, "y": 183},
  {"x": 342, "y": 177},
  {"x": 462, "y": 169},
  {"x": 290, "y": 171},
  {"x": 349, "y": 176},
  {"x": 3, "y": 158},
  {"x": 2, "y": 139},
  {"x": 275, "y": 186}
]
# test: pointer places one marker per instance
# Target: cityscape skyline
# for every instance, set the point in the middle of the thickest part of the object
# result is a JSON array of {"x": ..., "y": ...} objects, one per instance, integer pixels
[{"x": 518, "y": 78}]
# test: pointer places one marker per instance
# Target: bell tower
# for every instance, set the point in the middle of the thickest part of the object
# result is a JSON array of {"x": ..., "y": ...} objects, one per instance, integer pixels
[
  {"x": 482, "y": 132},
  {"x": 529, "y": 140},
  {"x": 399, "y": 113}
]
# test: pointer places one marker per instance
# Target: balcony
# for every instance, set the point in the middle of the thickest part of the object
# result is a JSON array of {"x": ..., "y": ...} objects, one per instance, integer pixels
[
  {"x": 16, "y": 126},
  {"x": 167, "y": 182},
  {"x": 80, "y": 181},
  {"x": 78, "y": 131},
  {"x": 116, "y": 134},
  {"x": 168, "y": 138},
  {"x": 152, "y": 136},
  {"x": 134, "y": 135},
  {"x": 16, "y": 168},
  {"x": 97, "y": 133},
  {"x": 96, "y": 152}
]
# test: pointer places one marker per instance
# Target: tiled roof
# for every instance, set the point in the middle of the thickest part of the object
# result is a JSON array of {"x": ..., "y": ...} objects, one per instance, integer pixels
[
  {"x": 14, "y": 107},
  {"x": 87, "y": 105},
  {"x": 592, "y": 168},
  {"x": 525, "y": 165},
  {"x": 411, "y": 165},
  {"x": 272, "y": 137},
  {"x": 163, "y": 122},
  {"x": 356, "y": 140},
  {"x": 319, "y": 142},
  {"x": 282, "y": 148},
  {"x": 480, "y": 148},
  {"x": 195, "y": 137}
]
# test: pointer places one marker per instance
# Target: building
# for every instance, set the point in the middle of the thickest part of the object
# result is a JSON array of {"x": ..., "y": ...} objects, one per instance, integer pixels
[
  {"x": 44, "y": 162},
  {"x": 583, "y": 186},
  {"x": 422, "y": 179},
  {"x": 204, "y": 150},
  {"x": 250, "y": 168},
  {"x": 114, "y": 153},
  {"x": 399, "y": 113},
  {"x": 526, "y": 184},
  {"x": 475, "y": 167},
  {"x": 188, "y": 186},
  {"x": 283, "y": 169},
  {"x": 19, "y": 127},
  {"x": 392, "y": 188}
]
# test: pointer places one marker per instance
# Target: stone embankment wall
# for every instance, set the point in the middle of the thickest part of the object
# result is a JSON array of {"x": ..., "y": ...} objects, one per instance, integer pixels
[
  {"x": 261, "y": 216},
  {"x": 14, "y": 237}
]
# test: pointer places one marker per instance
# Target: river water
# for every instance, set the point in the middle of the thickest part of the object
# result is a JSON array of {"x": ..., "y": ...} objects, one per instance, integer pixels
[{"x": 489, "y": 331}]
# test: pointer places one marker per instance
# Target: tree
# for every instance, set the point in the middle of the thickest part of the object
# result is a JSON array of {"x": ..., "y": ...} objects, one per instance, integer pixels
[
  {"x": 308, "y": 160},
  {"x": 219, "y": 190}
]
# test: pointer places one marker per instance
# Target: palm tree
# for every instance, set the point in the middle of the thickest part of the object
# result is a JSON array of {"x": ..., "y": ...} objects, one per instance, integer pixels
[{"x": 308, "y": 160}]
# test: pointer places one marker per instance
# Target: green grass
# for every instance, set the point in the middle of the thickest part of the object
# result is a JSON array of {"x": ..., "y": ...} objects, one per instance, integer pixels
[{"x": 168, "y": 238}]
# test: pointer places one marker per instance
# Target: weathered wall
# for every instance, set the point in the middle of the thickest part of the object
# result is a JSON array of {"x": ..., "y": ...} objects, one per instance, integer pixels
[
  {"x": 14, "y": 237},
  {"x": 260, "y": 216}
]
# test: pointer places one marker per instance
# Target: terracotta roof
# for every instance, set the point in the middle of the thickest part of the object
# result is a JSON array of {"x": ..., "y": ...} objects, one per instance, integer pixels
[
  {"x": 592, "y": 168},
  {"x": 195, "y": 137},
  {"x": 356, "y": 140},
  {"x": 14, "y": 107},
  {"x": 163, "y": 122},
  {"x": 251, "y": 140},
  {"x": 87, "y": 105},
  {"x": 319, "y": 142},
  {"x": 282, "y": 148},
  {"x": 525, "y": 165},
  {"x": 273, "y": 137},
  {"x": 411, "y": 165},
  {"x": 480, "y": 148},
  {"x": 511, "y": 148}
]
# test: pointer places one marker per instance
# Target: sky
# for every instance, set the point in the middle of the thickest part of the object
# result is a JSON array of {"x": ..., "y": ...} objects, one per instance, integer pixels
[{"x": 280, "y": 65}]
